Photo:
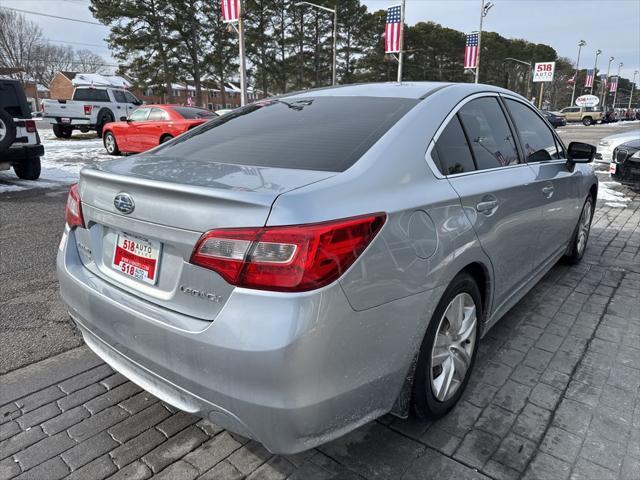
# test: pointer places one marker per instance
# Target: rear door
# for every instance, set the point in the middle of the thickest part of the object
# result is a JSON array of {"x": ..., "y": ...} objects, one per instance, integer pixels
[
  {"x": 556, "y": 185},
  {"x": 479, "y": 154},
  {"x": 152, "y": 129}
]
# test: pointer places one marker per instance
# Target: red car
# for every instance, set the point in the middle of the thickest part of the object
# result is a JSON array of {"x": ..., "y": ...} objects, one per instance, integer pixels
[{"x": 151, "y": 125}]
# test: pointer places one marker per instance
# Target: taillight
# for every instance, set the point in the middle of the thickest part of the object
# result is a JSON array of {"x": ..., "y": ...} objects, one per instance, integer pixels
[
  {"x": 30, "y": 125},
  {"x": 73, "y": 210},
  {"x": 87, "y": 109},
  {"x": 293, "y": 258}
]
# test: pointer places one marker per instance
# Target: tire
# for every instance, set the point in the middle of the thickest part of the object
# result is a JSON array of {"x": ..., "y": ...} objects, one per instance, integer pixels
[
  {"x": 165, "y": 138},
  {"x": 110, "y": 143},
  {"x": 430, "y": 398},
  {"x": 103, "y": 119},
  {"x": 7, "y": 131},
  {"x": 62, "y": 131},
  {"x": 28, "y": 169},
  {"x": 581, "y": 234},
  {"x": 586, "y": 121}
]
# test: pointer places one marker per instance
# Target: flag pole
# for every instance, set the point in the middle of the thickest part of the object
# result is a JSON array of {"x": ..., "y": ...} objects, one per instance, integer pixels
[
  {"x": 400, "y": 53},
  {"x": 479, "y": 42},
  {"x": 243, "y": 70}
]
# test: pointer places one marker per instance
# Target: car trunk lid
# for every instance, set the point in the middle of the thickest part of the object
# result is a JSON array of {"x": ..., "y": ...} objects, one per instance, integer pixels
[{"x": 174, "y": 202}]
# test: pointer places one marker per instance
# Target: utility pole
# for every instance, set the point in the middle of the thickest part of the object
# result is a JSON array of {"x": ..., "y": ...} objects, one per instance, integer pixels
[
  {"x": 581, "y": 44},
  {"x": 530, "y": 78},
  {"x": 595, "y": 67},
  {"x": 633, "y": 83},
  {"x": 615, "y": 94},
  {"x": 401, "y": 53},
  {"x": 605, "y": 84},
  {"x": 484, "y": 10},
  {"x": 335, "y": 33}
]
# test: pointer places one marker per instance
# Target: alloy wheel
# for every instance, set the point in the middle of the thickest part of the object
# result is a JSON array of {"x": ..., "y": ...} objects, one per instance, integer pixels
[
  {"x": 3, "y": 130},
  {"x": 110, "y": 143},
  {"x": 584, "y": 227},
  {"x": 453, "y": 347}
]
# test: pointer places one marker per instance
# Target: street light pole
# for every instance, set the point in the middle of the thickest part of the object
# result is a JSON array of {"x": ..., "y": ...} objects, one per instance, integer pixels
[
  {"x": 595, "y": 67},
  {"x": 633, "y": 83},
  {"x": 615, "y": 94},
  {"x": 401, "y": 44},
  {"x": 335, "y": 33},
  {"x": 605, "y": 84},
  {"x": 530, "y": 65},
  {"x": 484, "y": 10},
  {"x": 581, "y": 44}
]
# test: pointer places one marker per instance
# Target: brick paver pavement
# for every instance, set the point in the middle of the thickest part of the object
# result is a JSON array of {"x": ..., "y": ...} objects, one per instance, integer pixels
[{"x": 555, "y": 395}]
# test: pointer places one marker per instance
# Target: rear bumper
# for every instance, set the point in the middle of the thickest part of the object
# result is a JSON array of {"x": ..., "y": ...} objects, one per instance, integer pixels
[
  {"x": 17, "y": 153},
  {"x": 289, "y": 370}
]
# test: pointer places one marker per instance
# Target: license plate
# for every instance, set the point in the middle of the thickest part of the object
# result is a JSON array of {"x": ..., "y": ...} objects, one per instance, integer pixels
[
  {"x": 612, "y": 168},
  {"x": 137, "y": 258},
  {"x": 65, "y": 120}
]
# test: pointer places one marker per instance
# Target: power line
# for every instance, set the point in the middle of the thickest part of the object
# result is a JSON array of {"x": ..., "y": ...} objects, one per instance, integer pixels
[
  {"x": 53, "y": 16},
  {"x": 79, "y": 43}
]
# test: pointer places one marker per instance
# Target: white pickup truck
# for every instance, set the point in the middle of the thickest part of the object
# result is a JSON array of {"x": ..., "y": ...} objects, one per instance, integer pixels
[{"x": 90, "y": 109}]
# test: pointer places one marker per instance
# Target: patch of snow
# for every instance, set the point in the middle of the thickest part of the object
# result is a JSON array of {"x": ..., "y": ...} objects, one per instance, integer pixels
[{"x": 611, "y": 197}]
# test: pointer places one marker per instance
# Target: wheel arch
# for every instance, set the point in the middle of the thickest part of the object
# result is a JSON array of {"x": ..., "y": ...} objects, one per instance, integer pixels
[
  {"x": 104, "y": 110},
  {"x": 481, "y": 275}
]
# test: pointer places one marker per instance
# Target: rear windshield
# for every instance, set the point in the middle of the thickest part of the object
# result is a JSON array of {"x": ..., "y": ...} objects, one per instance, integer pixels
[
  {"x": 91, "y": 94},
  {"x": 323, "y": 133},
  {"x": 191, "y": 112}
]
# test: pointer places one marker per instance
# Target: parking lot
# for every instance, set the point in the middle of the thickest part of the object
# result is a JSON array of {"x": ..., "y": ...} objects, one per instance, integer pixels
[{"x": 555, "y": 392}]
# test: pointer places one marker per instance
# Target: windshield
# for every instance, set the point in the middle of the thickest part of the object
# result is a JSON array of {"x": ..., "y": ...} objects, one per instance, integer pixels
[{"x": 324, "y": 133}]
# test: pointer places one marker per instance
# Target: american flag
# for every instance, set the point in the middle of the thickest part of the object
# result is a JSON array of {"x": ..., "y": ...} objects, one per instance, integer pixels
[
  {"x": 588, "y": 81},
  {"x": 393, "y": 29},
  {"x": 572, "y": 80},
  {"x": 614, "y": 84},
  {"x": 471, "y": 51},
  {"x": 603, "y": 79},
  {"x": 230, "y": 10}
]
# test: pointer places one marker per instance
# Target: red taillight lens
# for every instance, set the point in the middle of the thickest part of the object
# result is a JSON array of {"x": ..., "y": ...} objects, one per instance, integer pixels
[
  {"x": 87, "y": 109},
  {"x": 288, "y": 259},
  {"x": 73, "y": 210},
  {"x": 30, "y": 125}
]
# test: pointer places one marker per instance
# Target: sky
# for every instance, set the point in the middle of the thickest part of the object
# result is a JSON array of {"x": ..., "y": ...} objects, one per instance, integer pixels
[{"x": 612, "y": 26}]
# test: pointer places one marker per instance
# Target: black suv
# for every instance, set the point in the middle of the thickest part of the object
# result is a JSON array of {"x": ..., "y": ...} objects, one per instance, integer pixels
[{"x": 20, "y": 145}]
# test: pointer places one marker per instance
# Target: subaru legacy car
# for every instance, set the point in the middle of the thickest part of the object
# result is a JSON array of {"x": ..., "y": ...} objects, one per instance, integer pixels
[{"x": 307, "y": 263}]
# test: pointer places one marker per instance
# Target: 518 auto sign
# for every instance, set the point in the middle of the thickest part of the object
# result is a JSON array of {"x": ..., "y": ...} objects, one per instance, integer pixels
[{"x": 543, "y": 71}]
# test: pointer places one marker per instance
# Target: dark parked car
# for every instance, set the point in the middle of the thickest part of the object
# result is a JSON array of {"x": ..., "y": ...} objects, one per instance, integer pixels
[
  {"x": 625, "y": 166},
  {"x": 20, "y": 146},
  {"x": 555, "y": 120}
]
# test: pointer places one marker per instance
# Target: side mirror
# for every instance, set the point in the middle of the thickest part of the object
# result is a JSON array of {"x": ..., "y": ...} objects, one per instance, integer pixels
[
  {"x": 579, "y": 152},
  {"x": 123, "y": 119}
]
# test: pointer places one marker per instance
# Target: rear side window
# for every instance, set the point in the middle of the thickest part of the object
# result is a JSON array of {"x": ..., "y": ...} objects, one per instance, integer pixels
[
  {"x": 452, "y": 150},
  {"x": 91, "y": 95},
  {"x": 491, "y": 140},
  {"x": 536, "y": 138},
  {"x": 323, "y": 133}
]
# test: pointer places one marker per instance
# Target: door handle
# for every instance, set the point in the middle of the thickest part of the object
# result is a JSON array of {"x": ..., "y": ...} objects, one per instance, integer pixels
[
  {"x": 547, "y": 191},
  {"x": 486, "y": 206}
]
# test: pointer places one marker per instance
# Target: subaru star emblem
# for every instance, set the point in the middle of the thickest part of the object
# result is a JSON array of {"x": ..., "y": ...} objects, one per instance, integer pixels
[{"x": 124, "y": 203}]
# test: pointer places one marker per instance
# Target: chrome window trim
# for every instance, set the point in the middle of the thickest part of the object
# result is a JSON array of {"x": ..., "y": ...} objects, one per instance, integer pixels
[{"x": 429, "y": 159}]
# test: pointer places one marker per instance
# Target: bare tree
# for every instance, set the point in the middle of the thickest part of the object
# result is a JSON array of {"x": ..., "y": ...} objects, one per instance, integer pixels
[
  {"x": 20, "y": 40},
  {"x": 49, "y": 60},
  {"x": 89, "y": 62}
]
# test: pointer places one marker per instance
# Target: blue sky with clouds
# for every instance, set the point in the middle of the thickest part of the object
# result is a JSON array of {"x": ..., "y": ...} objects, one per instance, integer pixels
[{"x": 610, "y": 25}]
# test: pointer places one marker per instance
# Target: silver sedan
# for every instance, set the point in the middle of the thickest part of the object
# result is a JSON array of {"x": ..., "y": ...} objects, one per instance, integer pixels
[{"x": 303, "y": 265}]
